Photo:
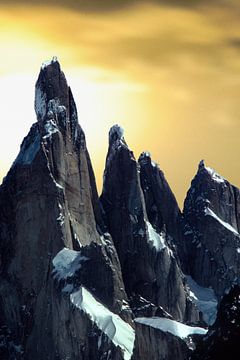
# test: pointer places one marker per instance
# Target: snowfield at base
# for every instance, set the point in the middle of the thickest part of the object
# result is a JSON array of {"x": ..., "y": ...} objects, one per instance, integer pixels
[
  {"x": 66, "y": 263},
  {"x": 209, "y": 212},
  {"x": 155, "y": 239},
  {"x": 117, "y": 330},
  {"x": 205, "y": 300},
  {"x": 171, "y": 326}
]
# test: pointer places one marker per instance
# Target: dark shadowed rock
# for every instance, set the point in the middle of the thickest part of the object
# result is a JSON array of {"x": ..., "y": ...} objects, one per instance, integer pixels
[
  {"x": 212, "y": 216},
  {"x": 161, "y": 205},
  {"x": 50, "y": 211},
  {"x": 222, "y": 339},
  {"x": 148, "y": 265},
  {"x": 162, "y": 338}
]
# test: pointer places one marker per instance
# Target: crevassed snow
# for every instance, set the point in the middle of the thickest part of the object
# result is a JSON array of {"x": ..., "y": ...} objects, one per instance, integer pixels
[
  {"x": 215, "y": 176},
  {"x": 209, "y": 212},
  {"x": 117, "y": 330},
  {"x": 205, "y": 300},
  {"x": 66, "y": 263},
  {"x": 171, "y": 326},
  {"x": 28, "y": 152},
  {"x": 157, "y": 240}
]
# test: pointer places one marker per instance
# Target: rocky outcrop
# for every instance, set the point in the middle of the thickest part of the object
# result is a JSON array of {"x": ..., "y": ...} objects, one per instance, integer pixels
[
  {"x": 148, "y": 264},
  {"x": 211, "y": 211},
  {"x": 223, "y": 337},
  {"x": 49, "y": 203}
]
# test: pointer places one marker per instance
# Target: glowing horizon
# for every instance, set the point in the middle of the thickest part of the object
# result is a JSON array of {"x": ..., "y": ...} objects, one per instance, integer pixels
[{"x": 169, "y": 75}]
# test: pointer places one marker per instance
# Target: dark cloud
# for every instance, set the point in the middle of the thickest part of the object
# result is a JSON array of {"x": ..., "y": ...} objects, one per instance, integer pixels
[
  {"x": 234, "y": 42},
  {"x": 109, "y": 5}
]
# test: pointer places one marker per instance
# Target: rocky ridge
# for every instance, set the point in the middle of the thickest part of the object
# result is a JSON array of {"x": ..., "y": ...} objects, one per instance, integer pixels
[{"x": 109, "y": 278}]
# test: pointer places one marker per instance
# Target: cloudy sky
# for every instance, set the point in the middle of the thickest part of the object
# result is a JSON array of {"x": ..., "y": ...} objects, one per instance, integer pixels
[{"x": 167, "y": 71}]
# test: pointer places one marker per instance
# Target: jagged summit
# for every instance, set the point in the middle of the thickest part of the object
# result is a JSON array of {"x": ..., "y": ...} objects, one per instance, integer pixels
[
  {"x": 116, "y": 134},
  {"x": 201, "y": 164},
  {"x": 87, "y": 278},
  {"x": 52, "y": 93},
  {"x": 145, "y": 158},
  {"x": 54, "y": 104},
  {"x": 51, "y": 62},
  {"x": 202, "y": 168}
]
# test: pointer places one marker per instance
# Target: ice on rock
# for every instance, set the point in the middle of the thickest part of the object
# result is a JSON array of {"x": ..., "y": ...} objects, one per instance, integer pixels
[
  {"x": 40, "y": 103},
  {"x": 156, "y": 240},
  {"x": 50, "y": 128},
  {"x": 66, "y": 263},
  {"x": 117, "y": 330},
  {"x": 115, "y": 133},
  {"x": 171, "y": 326},
  {"x": 215, "y": 176},
  {"x": 205, "y": 300},
  {"x": 144, "y": 157},
  {"x": 209, "y": 212},
  {"x": 49, "y": 62}
]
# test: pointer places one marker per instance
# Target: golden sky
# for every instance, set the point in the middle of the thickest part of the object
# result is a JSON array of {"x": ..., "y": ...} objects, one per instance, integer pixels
[{"x": 167, "y": 72}]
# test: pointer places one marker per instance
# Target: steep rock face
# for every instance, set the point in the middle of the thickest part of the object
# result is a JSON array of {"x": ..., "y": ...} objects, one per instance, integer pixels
[
  {"x": 148, "y": 340},
  {"x": 161, "y": 205},
  {"x": 223, "y": 337},
  {"x": 161, "y": 338},
  {"x": 49, "y": 203},
  {"x": 148, "y": 265},
  {"x": 212, "y": 216}
]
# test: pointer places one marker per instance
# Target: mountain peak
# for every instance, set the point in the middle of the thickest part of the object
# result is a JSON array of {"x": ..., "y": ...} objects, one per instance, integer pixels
[
  {"x": 116, "y": 133},
  {"x": 53, "y": 62},
  {"x": 211, "y": 172},
  {"x": 145, "y": 158},
  {"x": 52, "y": 86},
  {"x": 201, "y": 165}
]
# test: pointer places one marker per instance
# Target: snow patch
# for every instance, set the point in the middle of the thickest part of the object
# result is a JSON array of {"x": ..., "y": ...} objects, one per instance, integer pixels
[
  {"x": 61, "y": 217},
  {"x": 209, "y": 212},
  {"x": 171, "y": 326},
  {"x": 205, "y": 300},
  {"x": 66, "y": 263},
  {"x": 157, "y": 240},
  {"x": 116, "y": 133},
  {"x": 49, "y": 62},
  {"x": 40, "y": 103},
  {"x": 50, "y": 128},
  {"x": 117, "y": 330},
  {"x": 215, "y": 176}
]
